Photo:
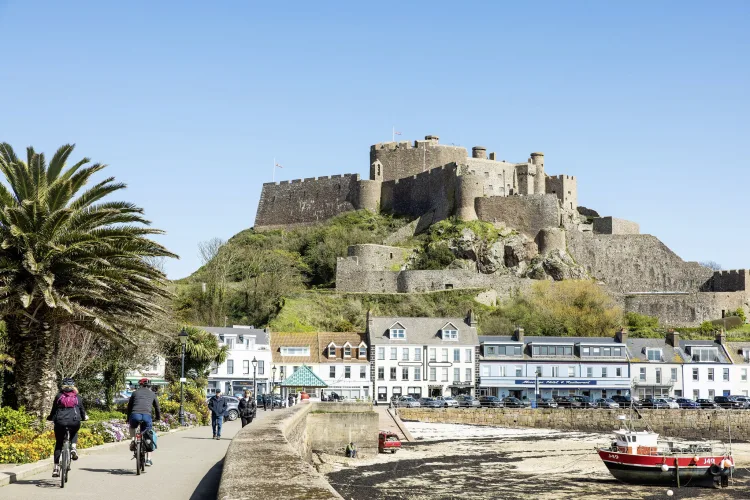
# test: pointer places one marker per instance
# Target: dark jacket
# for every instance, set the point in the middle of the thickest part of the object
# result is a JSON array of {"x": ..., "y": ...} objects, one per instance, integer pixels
[
  {"x": 218, "y": 405},
  {"x": 247, "y": 408},
  {"x": 67, "y": 416},
  {"x": 141, "y": 401}
]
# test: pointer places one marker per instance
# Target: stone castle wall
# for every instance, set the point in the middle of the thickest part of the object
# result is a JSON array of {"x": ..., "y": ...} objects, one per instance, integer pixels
[
  {"x": 431, "y": 191},
  {"x": 406, "y": 159},
  {"x": 528, "y": 214},
  {"x": 685, "y": 424},
  {"x": 689, "y": 309},
  {"x": 728, "y": 281},
  {"x": 306, "y": 201},
  {"x": 635, "y": 263},
  {"x": 612, "y": 225},
  {"x": 565, "y": 187}
]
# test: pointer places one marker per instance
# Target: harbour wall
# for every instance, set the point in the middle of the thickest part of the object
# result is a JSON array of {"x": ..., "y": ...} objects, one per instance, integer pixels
[{"x": 684, "y": 424}]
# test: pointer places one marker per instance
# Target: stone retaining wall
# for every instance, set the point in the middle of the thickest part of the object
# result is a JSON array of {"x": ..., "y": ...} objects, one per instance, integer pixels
[{"x": 686, "y": 424}]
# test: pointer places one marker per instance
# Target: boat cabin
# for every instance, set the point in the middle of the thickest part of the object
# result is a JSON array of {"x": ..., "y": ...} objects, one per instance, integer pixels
[{"x": 636, "y": 442}]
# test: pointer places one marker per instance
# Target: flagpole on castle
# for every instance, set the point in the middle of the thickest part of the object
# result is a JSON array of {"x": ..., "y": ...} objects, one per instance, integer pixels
[{"x": 273, "y": 169}]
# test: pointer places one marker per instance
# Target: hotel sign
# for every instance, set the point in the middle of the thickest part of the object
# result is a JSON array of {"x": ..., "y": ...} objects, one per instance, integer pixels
[{"x": 544, "y": 381}]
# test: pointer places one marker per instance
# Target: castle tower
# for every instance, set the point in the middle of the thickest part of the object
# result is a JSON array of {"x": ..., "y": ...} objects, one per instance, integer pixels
[
  {"x": 469, "y": 188},
  {"x": 525, "y": 172},
  {"x": 537, "y": 159},
  {"x": 368, "y": 196},
  {"x": 479, "y": 152}
]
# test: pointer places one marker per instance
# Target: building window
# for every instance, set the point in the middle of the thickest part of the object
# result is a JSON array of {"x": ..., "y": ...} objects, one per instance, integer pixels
[
  {"x": 246, "y": 367},
  {"x": 725, "y": 374},
  {"x": 704, "y": 354},
  {"x": 362, "y": 372},
  {"x": 381, "y": 373},
  {"x": 468, "y": 375},
  {"x": 743, "y": 375},
  {"x": 362, "y": 351},
  {"x": 295, "y": 351},
  {"x": 404, "y": 374},
  {"x": 695, "y": 374},
  {"x": 214, "y": 368},
  {"x": 398, "y": 333},
  {"x": 590, "y": 372},
  {"x": 381, "y": 352},
  {"x": 468, "y": 355},
  {"x": 746, "y": 355},
  {"x": 538, "y": 371},
  {"x": 331, "y": 372},
  {"x": 571, "y": 371},
  {"x": 261, "y": 367},
  {"x": 710, "y": 374},
  {"x": 393, "y": 373},
  {"x": 642, "y": 374},
  {"x": 229, "y": 342},
  {"x": 230, "y": 366},
  {"x": 433, "y": 354},
  {"x": 658, "y": 375},
  {"x": 331, "y": 351},
  {"x": 415, "y": 392},
  {"x": 696, "y": 394},
  {"x": 519, "y": 370},
  {"x": 617, "y": 351},
  {"x": 606, "y": 351},
  {"x": 417, "y": 374},
  {"x": 457, "y": 355},
  {"x": 585, "y": 351},
  {"x": 445, "y": 355},
  {"x": 604, "y": 372},
  {"x": 405, "y": 354},
  {"x": 491, "y": 350},
  {"x": 653, "y": 354},
  {"x": 417, "y": 354},
  {"x": 711, "y": 394},
  {"x": 347, "y": 351},
  {"x": 555, "y": 371},
  {"x": 674, "y": 375},
  {"x": 294, "y": 369},
  {"x": 618, "y": 372},
  {"x": 433, "y": 374},
  {"x": 394, "y": 352},
  {"x": 397, "y": 391},
  {"x": 485, "y": 370},
  {"x": 444, "y": 374},
  {"x": 382, "y": 393},
  {"x": 450, "y": 335},
  {"x": 457, "y": 375},
  {"x": 347, "y": 372}
]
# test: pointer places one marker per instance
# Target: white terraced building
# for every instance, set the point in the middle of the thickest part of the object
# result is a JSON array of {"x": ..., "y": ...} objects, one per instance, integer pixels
[
  {"x": 236, "y": 373},
  {"x": 423, "y": 356}
]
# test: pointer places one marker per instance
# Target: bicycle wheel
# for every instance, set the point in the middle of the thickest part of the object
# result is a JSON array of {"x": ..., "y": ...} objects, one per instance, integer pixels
[
  {"x": 138, "y": 452},
  {"x": 143, "y": 456},
  {"x": 64, "y": 465}
]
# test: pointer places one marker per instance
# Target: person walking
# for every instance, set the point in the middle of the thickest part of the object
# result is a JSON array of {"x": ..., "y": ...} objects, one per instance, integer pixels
[
  {"x": 67, "y": 413},
  {"x": 218, "y": 406},
  {"x": 291, "y": 400},
  {"x": 247, "y": 408}
]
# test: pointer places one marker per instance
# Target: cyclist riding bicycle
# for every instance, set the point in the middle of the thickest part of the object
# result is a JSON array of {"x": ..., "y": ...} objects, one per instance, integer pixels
[
  {"x": 67, "y": 414},
  {"x": 139, "y": 411}
]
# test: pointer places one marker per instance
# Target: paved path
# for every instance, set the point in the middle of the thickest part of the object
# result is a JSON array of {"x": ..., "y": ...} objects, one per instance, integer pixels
[{"x": 187, "y": 465}]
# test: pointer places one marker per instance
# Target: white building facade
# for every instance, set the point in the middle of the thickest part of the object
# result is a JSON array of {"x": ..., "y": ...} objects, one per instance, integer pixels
[
  {"x": 558, "y": 366},
  {"x": 237, "y": 373},
  {"x": 422, "y": 356}
]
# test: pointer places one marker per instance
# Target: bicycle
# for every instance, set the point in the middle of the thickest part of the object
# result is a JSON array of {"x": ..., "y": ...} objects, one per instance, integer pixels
[
  {"x": 65, "y": 459},
  {"x": 140, "y": 453}
]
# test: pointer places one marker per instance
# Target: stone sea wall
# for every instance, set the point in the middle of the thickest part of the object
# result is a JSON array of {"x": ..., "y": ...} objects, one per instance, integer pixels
[{"x": 685, "y": 424}]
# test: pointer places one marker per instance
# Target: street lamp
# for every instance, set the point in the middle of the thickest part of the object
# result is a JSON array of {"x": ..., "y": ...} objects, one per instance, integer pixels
[
  {"x": 281, "y": 387},
  {"x": 183, "y": 343},
  {"x": 255, "y": 387},
  {"x": 273, "y": 383}
]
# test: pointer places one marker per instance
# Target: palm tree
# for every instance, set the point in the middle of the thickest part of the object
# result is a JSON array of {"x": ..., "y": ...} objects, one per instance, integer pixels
[
  {"x": 202, "y": 350},
  {"x": 67, "y": 256}
]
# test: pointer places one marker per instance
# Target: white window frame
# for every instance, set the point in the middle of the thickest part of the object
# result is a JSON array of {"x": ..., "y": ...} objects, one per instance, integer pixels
[
  {"x": 295, "y": 350},
  {"x": 347, "y": 351},
  {"x": 657, "y": 352},
  {"x": 363, "y": 351},
  {"x": 451, "y": 335},
  {"x": 398, "y": 334},
  {"x": 417, "y": 374},
  {"x": 381, "y": 353},
  {"x": 332, "y": 351}
]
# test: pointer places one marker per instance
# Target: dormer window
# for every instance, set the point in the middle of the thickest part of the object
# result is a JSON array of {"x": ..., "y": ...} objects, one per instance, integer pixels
[
  {"x": 362, "y": 351},
  {"x": 397, "y": 332},
  {"x": 450, "y": 334},
  {"x": 746, "y": 355},
  {"x": 347, "y": 351},
  {"x": 332, "y": 351},
  {"x": 653, "y": 354},
  {"x": 703, "y": 354}
]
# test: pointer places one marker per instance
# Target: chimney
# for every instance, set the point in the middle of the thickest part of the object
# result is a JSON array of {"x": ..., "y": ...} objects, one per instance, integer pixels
[
  {"x": 673, "y": 338},
  {"x": 369, "y": 321},
  {"x": 721, "y": 337},
  {"x": 471, "y": 319},
  {"x": 518, "y": 334},
  {"x": 622, "y": 336}
]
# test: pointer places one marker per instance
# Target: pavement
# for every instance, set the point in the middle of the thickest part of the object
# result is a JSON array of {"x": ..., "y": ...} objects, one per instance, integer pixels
[{"x": 187, "y": 465}]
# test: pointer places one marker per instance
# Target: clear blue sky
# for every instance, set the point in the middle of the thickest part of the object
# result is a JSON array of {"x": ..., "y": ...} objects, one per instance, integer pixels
[{"x": 647, "y": 103}]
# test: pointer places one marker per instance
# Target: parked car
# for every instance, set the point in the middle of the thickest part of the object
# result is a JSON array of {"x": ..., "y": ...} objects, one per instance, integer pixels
[
  {"x": 467, "y": 401},
  {"x": 744, "y": 399},
  {"x": 606, "y": 403},
  {"x": 447, "y": 401},
  {"x": 490, "y": 402},
  {"x": 626, "y": 401},
  {"x": 707, "y": 404},
  {"x": 407, "y": 402},
  {"x": 655, "y": 403},
  {"x": 511, "y": 402},
  {"x": 582, "y": 402},
  {"x": 546, "y": 403},
  {"x": 673, "y": 404},
  {"x": 565, "y": 402},
  {"x": 687, "y": 404},
  {"x": 430, "y": 403},
  {"x": 388, "y": 441},
  {"x": 729, "y": 402}
]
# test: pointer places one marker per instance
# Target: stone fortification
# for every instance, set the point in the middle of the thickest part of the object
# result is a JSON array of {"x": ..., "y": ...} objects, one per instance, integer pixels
[
  {"x": 685, "y": 424},
  {"x": 691, "y": 308},
  {"x": 528, "y": 214},
  {"x": 611, "y": 225},
  {"x": 395, "y": 160},
  {"x": 735, "y": 280},
  {"x": 431, "y": 191}
]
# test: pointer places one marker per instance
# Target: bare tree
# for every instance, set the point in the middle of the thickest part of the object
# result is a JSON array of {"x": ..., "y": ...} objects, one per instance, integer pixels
[
  {"x": 77, "y": 349},
  {"x": 218, "y": 259},
  {"x": 714, "y": 266}
]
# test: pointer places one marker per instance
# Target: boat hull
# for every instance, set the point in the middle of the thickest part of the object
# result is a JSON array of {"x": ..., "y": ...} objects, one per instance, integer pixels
[{"x": 648, "y": 469}]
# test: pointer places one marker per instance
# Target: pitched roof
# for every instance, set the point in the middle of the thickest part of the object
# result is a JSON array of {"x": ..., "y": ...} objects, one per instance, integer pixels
[
  {"x": 669, "y": 354},
  {"x": 261, "y": 336},
  {"x": 420, "y": 331},
  {"x": 281, "y": 339},
  {"x": 705, "y": 343},
  {"x": 539, "y": 339},
  {"x": 339, "y": 339},
  {"x": 303, "y": 377},
  {"x": 735, "y": 351}
]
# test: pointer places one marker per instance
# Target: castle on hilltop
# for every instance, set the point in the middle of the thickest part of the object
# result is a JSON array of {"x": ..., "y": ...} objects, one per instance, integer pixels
[{"x": 552, "y": 237}]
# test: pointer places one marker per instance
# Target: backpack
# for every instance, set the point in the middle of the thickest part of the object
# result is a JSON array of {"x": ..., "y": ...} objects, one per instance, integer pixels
[
  {"x": 68, "y": 400},
  {"x": 149, "y": 440}
]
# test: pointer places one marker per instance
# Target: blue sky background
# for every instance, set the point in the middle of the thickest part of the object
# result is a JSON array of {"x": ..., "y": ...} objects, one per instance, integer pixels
[{"x": 646, "y": 103}]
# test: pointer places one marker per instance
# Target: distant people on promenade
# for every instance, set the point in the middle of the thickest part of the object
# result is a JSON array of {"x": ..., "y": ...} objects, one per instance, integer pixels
[
  {"x": 219, "y": 407},
  {"x": 247, "y": 408}
]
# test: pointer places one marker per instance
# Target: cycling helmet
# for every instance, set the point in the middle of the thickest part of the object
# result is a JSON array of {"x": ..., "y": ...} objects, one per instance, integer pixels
[
  {"x": 144, "y": 382},
  {"x": 68, "y": 381}
]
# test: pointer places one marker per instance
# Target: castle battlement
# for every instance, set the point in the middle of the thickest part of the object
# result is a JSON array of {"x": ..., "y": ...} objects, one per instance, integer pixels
[
  {"x": 312, "y": 179},
  {"x": 729, "y": 273},
  {"x": 562, "y": 177}
]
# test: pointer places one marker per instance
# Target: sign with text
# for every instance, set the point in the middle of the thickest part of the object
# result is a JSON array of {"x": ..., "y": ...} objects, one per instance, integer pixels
[{"x": 544, "y": 381}]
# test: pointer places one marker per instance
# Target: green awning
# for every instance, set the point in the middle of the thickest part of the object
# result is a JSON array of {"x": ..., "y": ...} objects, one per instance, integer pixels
[{"x": 303, "y": 377}]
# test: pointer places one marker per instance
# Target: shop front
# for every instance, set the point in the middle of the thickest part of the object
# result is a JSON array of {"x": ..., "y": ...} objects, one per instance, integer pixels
[
  {"x": 525, "y": 388},
  {"x": 458, "y": 388}
]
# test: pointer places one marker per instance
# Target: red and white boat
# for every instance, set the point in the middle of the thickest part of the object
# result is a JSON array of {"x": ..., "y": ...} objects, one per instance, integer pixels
[{"x": 639, "y": 457}]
